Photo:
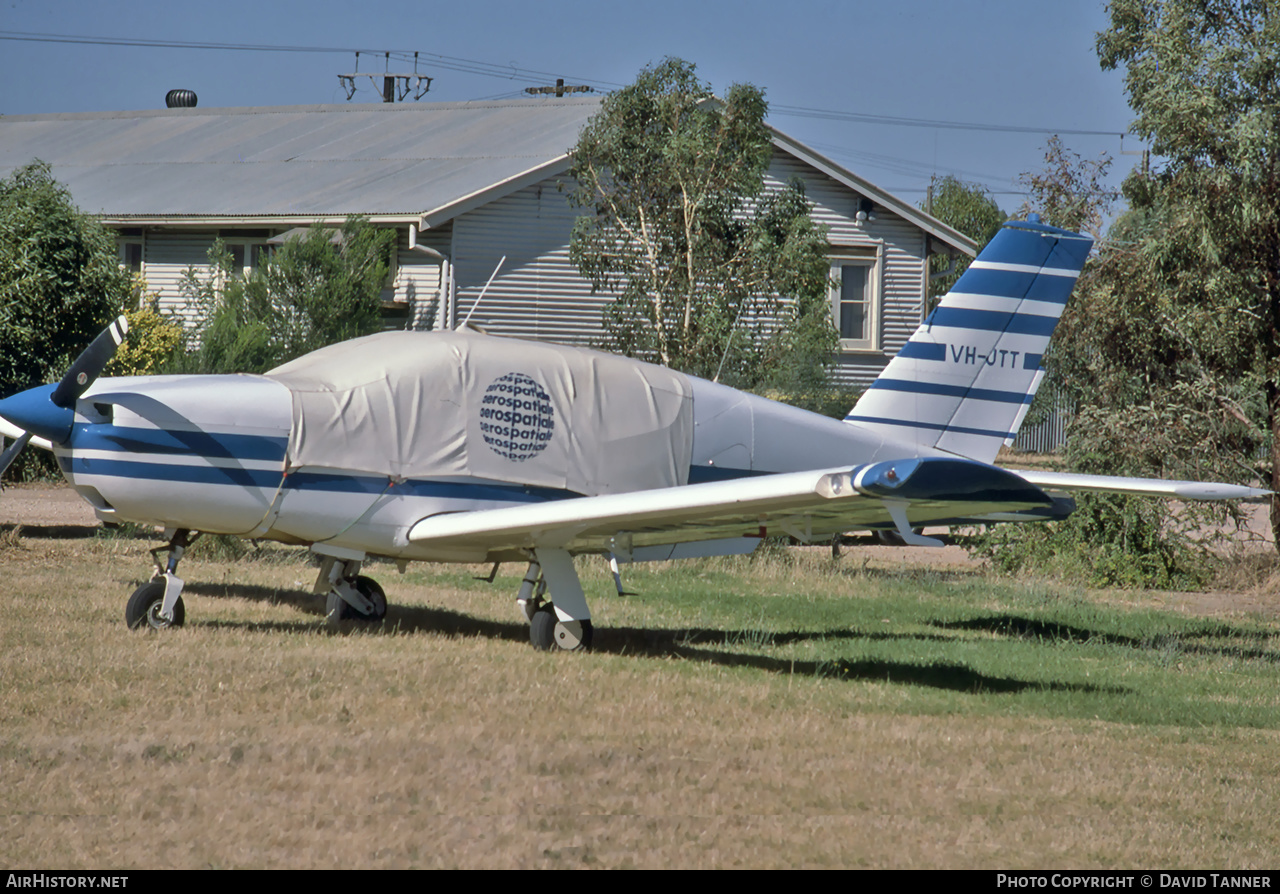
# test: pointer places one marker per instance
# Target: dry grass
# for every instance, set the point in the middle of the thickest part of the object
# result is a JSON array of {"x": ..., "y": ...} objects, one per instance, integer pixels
[{"x": 255, "y": 738}]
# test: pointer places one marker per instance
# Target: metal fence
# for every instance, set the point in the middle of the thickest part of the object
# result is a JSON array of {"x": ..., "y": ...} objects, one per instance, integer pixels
[{"x": 1050, "y": 432}]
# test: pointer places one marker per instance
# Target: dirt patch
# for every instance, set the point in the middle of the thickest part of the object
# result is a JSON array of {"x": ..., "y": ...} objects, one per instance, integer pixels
[{"x": 45, "y": 505}]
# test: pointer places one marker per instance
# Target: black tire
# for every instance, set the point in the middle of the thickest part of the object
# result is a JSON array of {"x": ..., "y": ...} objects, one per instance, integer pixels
[
  {"x": 542, "y": 630},
  {"x": 547, "y": 633},
  {"x": 142, "y": 612},
  {"x": 337, "y": 608},
  {"x": 888, "y": 537}
]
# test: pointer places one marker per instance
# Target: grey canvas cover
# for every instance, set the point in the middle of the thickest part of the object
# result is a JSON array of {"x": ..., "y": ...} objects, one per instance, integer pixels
[{"x": 445, "y": 404}]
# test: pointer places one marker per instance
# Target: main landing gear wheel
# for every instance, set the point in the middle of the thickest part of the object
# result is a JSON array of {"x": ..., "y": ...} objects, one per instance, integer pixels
[
  {"x": 143, "y": 608},
  {"x": 547, "y": 632},
  {"x": 338, "y": 609},
  {"x": 893, "y": 538}
]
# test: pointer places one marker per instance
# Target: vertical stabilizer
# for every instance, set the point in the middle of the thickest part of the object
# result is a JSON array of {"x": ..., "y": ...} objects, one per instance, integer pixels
[{"x": 965, "y": 379}]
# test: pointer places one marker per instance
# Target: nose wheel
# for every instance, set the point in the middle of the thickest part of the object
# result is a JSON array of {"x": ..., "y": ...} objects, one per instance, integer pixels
[
  {"x": 142, "y": 612},
  {"x": 157, "y": 604}
]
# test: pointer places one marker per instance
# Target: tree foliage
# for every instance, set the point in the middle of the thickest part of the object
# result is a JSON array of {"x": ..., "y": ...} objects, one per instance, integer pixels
[
  {"x": 154, "y": 340},
  {"x": 712, "y": 273},
  {"x": 60, "y": 279},
  {"x": 312, "y": 291},
  {"x": 969, "y": 208},
  {"x": 1070, "y": 191},
  {"x": 1192, "y": 278},
  {"x": 1171, "y": 345}
]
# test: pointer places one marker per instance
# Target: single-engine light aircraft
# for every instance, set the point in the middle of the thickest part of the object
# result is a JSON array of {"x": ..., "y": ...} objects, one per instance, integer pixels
[{"x": 457, "y": 446}]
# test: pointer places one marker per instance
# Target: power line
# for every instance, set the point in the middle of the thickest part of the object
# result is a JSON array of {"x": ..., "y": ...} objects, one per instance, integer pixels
[
  {"x": 895, "y": 121},
  {"x": 513, "y": 72},
  {"x": 452, "y": 63}
]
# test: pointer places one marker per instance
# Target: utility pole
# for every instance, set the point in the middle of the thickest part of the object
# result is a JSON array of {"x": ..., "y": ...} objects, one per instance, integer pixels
[
  {"x": 560, "y": 89},
  {"x": 395, "y": 87}
]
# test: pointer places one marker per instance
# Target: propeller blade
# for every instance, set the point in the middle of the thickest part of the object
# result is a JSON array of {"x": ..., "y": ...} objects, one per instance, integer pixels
[
  {"x": 89, "y": 364},
  {"x": 11, "y": 454}
]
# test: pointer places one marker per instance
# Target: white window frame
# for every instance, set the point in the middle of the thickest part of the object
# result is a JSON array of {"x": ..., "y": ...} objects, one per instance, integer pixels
[
  {"x": 868, "y": 258},
  {"x": 255, "y": 249},
  {"x": 135, "y": 239}
]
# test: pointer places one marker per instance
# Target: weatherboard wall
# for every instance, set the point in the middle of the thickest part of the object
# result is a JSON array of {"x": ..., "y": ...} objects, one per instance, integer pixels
[
  {"x": 901, "y": 274},
  {"x": 538, "y": 293},
  {"x": 166, "y": 257},
  {"x": 418, "y": 283},
  {"x": 421, "y": 282}
]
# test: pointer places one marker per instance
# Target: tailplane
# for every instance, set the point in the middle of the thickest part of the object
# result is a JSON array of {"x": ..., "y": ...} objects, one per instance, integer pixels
[{"x": 964, "y": 381}]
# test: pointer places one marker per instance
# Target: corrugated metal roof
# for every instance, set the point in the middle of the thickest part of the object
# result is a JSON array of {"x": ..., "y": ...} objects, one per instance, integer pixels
[
  {"x": 299, "y": 161},
  {"x": 427, "y": 160}
]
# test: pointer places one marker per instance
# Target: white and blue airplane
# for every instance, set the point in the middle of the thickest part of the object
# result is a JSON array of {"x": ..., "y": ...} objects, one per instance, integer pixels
[{"x": 458, "y": 446}]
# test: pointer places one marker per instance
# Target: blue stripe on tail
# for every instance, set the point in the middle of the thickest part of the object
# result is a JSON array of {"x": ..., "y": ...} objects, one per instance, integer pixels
[{"x": 963, "y": 382}]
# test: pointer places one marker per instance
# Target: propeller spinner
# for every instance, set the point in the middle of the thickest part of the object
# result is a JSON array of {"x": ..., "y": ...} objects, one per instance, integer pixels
[{"x": 48, "y": 411}]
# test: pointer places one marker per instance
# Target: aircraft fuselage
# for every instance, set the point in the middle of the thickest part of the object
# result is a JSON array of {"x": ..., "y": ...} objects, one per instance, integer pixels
[{"x": 209, "y": 453}]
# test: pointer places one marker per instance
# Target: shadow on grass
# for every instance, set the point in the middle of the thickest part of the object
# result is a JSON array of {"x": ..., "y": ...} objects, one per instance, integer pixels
[
  {"x": 1182, "y": 641},
  {"x": 50, "y": 532},
  {"x": 644, "y": 643},
  {"x": 936, "y": 675}
]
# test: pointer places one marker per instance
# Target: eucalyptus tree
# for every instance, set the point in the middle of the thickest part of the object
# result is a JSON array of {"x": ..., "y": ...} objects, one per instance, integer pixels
[
  {"x": 1188, "y": 291},
  {"x": 711, "y": 272}
]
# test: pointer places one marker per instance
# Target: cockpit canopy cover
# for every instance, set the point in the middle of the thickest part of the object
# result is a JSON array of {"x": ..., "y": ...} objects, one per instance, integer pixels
[{"x": 433, "y": 404}]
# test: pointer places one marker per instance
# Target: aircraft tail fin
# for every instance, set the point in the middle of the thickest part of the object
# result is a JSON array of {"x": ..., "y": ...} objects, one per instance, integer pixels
[{"x": 964, "y": 381}]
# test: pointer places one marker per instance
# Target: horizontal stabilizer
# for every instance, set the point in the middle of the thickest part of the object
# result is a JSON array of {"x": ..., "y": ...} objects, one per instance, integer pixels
[{"x": 1150, "y": 487}]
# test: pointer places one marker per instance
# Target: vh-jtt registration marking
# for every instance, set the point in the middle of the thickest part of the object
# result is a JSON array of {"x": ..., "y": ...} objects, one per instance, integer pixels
[{"x": 968, "y": 354}]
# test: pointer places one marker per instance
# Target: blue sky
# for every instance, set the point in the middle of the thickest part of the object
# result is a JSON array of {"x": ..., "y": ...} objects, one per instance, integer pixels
[{"x": 1020, "y": 63}]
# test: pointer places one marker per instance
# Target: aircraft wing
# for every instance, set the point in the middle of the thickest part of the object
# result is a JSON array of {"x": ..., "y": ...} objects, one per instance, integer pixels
[
  {"x": 807, "y": 505},
  {"x": 1151, "y": 487}
]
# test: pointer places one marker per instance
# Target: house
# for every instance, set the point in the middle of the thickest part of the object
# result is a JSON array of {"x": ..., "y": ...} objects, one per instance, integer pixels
[{"x": 463, "y": 184}]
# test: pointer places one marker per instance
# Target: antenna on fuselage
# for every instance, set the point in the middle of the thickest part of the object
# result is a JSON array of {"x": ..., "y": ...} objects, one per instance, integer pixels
[{"x": 467, "y": 319}]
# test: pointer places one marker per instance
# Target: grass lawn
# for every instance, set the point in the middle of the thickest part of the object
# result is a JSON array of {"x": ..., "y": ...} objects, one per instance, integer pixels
[{"x": 781, "y": 712}]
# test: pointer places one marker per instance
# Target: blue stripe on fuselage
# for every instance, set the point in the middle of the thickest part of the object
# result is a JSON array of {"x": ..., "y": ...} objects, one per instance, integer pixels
[
  {"x": 169, "y": 442},
  {"x": 703, "y": 474},
  {"x": 135, "y": 444},
  {"x": 188, "y": 474},
  {"x": 311, "y": 481}
]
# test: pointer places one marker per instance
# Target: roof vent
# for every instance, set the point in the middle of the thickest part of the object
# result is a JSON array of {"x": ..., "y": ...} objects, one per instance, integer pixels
[{"x": 180, "y": 99}]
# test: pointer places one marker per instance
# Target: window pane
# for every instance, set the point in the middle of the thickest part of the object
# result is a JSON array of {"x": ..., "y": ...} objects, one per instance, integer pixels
[
  {"x": 132, "y": 252},
  {"x": 852, "y": 320},
  {"x": 853, "y": 301}
]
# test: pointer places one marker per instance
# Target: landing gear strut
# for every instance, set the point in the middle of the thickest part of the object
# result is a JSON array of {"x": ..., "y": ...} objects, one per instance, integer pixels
[
  {"x": 157, "y": 604},
  {"x": 351, "y": 595},
  {"x": 565, "y": 625}
]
